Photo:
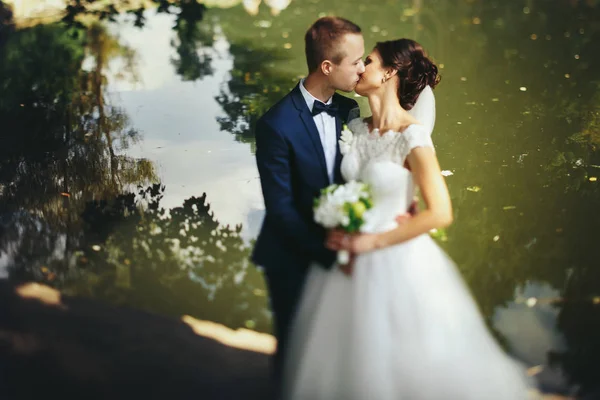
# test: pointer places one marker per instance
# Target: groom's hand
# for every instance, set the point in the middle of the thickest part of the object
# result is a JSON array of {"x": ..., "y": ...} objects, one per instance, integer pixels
[
  {"x": 412, "y": 211},
  {"x": 335, "y": 239},
  {"x": 414, "y": 207}
]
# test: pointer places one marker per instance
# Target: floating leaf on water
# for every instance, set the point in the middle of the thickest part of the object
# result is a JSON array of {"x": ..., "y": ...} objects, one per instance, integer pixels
[
  {"x": 96, "y": 247},
  {"x": 409, "y": 12},
  {"x": 509, "y": 207},
  {"x": 439, "y": 234},
  {"x": 577, "y": 56},
  {"x": 523, "y": 89},
  {"x": 441, "y": 66},
  {"x": 470, "y": 103},
  {"x": 44, "y": 270},
  {"x": 526, "y": 10},
  {"x": 285, "y": 35},
  {"x": 287, "y": 46},
  {"x": 459, "y": 123},
  {"x": 596, "y": 300},
  {"x": 375, "y": 29},
  {"x": 250, "y": 324},
  {"x": 383, "y": 33},
  {"x": 531, "y": 243},
  {"x": 496, "y": 238},
  {"x": 495, "y": 99},
  {"x": 263, "y": 24},
  {"x": 567, "y": 76},
  {"x": 463, "y": 78},
  {"x": 473, "y": 189},
  {"x": 531, "y": 302},
  {"x": 521, "y": 157},
  {"x": 593, "y": 179},
  {"x": 447, "y": 173},
  {"x": 476, "y": 21},
  {"x": 533, "y": 36}
]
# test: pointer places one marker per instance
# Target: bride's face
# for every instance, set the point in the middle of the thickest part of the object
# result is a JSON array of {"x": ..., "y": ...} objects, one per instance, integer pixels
[{"x": 372, "y": 78}]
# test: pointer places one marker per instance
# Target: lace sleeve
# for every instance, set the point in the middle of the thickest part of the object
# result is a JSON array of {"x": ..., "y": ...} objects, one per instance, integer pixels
[{"x": 415, "y": 136}]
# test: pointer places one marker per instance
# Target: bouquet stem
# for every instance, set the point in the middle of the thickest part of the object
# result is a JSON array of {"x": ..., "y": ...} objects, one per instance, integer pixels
[{"x": 343, "y": 257}]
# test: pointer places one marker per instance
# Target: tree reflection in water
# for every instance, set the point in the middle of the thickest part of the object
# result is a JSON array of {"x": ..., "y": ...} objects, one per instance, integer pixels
[{"x": 177, "y": 261}]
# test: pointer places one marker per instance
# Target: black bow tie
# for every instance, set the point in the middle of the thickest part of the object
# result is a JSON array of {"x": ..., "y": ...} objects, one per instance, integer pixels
[{"x": 319, "y": 107}]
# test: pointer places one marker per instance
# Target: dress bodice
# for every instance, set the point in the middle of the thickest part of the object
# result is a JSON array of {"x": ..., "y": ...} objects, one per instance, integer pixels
[{"x": 378, "y": 160}]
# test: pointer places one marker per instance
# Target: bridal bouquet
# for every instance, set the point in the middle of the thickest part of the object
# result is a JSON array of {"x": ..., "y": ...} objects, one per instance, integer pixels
[{"x": 343, "y": 207}]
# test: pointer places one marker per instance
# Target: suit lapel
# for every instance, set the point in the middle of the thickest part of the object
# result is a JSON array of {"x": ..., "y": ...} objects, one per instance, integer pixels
[{"x": 311, "y": 128}]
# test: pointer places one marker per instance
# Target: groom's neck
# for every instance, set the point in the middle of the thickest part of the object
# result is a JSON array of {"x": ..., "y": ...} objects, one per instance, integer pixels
[{"x": 318, "y": 85}]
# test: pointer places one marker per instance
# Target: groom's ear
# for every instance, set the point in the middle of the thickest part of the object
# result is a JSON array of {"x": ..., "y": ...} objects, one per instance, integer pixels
[{"x": 326, "y": 67}]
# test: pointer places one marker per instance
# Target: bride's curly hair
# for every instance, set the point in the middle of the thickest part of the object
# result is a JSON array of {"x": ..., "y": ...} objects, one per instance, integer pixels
[{"x": 414, "y": 67}]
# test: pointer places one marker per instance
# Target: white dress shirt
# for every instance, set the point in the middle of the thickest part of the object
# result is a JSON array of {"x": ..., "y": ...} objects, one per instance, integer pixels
[{"x": 327, "y": 130}]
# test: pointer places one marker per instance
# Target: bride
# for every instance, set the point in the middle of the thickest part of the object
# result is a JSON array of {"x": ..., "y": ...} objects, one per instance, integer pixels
[{"x": 400, "y": 324}]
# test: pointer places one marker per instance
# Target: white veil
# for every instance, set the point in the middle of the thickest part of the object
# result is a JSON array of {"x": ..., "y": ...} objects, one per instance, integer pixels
[{"x": 424, "y": 109}]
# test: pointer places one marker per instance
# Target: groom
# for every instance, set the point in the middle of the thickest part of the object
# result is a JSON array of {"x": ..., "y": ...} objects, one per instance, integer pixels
[{"x": 297, "y": 154}]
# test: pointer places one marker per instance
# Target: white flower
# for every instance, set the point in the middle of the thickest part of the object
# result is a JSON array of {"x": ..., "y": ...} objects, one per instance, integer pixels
[
  {"x": 346, "y": 139},
  {"x": 332, "y": 208}
]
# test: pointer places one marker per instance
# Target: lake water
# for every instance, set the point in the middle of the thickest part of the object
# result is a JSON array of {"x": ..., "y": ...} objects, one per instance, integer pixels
[{"x": 102, "y": 122}]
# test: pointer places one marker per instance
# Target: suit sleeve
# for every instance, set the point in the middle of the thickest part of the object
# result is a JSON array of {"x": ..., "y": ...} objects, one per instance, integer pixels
[{"x": 273, "y": 160}]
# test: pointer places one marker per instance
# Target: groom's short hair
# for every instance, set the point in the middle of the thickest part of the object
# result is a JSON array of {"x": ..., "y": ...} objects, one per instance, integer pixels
[{"x": 322, "y": 40}]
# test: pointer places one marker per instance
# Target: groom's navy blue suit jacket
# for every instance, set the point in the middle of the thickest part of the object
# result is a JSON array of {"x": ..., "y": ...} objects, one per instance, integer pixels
[{"x": 292, "y": 168}]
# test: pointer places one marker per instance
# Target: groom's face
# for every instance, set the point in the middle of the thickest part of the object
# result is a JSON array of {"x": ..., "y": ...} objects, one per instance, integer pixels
[{"x": 346, "y": 74}]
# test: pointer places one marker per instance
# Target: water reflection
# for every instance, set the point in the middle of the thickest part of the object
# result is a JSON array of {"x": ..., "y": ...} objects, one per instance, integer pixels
[
  {"x": 178, "y": 261},
  {"x": 251, "y": 89},
  {"x": 63, "y": 140},
  {"x": 518, "y": 128},
  {"x": 194, "y": 48}
]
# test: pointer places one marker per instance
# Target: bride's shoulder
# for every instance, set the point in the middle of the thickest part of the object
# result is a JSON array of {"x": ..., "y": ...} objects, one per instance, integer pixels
[
  {"x": 416, "y": 129},
  {"x": 358, "y": 126},
  {"x": 417, "y": 135}
]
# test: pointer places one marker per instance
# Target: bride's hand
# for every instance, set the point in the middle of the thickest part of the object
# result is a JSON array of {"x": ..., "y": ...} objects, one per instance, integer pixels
[
  {"x": 361, "y": 243},
  {"x": 354, "y": 243}
]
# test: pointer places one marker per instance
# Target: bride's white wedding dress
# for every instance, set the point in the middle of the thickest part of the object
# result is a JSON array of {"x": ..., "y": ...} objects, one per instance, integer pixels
[{"x": 404, "y": 326}]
